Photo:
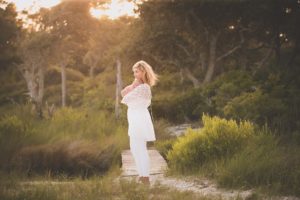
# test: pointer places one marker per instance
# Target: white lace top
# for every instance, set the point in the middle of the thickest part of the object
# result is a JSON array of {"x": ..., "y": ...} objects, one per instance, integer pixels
[{"x": 139, "y": 97}]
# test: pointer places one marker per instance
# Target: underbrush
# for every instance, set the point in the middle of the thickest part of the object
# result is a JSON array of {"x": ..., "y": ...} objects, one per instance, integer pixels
[
  {"x": 74, "y": 141},
  {"x": 237, "y": 155}
]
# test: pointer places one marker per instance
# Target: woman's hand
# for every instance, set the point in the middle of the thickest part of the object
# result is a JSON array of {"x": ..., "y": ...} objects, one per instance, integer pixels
[
  {"x": 130, "y": 87},
  {"x": 136, "y": 82}
]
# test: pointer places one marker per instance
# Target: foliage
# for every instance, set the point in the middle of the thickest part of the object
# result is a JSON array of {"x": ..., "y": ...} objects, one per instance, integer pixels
[
  {"x": 218, "y": 138},
  {"x": 227, "y": 86},
  {"x": 95, "y": 188},
  {"x": 258, "y": 107},
  {"x": 37, "y": 146},
  {"x": 263, "y": 162},
  {"x": 70, "y": 158},
  {"x": 164, "y": 146}
]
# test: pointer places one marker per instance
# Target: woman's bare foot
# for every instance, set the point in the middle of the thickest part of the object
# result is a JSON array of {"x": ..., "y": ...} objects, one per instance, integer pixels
[
  {"x": 145, "y": 180},
  {"x": 140, "y": 179}
]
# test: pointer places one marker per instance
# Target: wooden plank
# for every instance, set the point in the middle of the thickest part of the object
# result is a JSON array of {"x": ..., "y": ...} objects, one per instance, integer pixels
[{"x": 157, "y": 163}]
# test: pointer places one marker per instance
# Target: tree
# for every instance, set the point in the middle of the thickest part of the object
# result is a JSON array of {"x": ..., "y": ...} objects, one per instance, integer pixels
[
  {"x": 197, "y": 37},
  {"x": 70, "y": 23},
  {"x": 187, "y": 34},
  {"x": 10, "y": 29},
  {"x": 34, "y": 49}
]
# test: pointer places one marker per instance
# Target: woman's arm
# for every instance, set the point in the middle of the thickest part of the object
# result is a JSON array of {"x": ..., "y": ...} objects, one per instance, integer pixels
[
  {"x": 130, "y": 87},
  {"x": 126, "y": 90}
]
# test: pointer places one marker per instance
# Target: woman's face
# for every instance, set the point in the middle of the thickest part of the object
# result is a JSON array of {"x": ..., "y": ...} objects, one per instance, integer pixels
[{"x": 138, "y": 74}]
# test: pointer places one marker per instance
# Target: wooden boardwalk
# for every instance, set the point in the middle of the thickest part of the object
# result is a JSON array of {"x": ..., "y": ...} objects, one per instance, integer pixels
[{"x": 157, "y": 163}]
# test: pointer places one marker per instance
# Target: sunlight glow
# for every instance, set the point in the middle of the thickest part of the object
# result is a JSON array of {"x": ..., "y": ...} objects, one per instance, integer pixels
[
  {"x": 114, "y": 10},
  {"x": 33, "y": 6}
]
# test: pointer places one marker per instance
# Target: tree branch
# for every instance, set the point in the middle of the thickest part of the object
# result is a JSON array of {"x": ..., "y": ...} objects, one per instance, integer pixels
[
  {"x": 228, "y": 52},
  {"x": 233, "y": 49},
  {"x": 184, "y": 49},
  {"x": 264, "y": 60},
  {"x": 190, "y": 75}
]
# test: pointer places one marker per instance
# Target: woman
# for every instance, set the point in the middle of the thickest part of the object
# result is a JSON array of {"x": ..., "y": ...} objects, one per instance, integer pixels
[{"x": 137, "y": 97}]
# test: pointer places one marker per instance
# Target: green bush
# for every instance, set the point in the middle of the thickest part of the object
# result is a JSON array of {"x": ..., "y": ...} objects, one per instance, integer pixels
[
  {"x": 42, "y": 143},
  {"x": 258, "y": 107},
  {"x": 83, "y": 158},
  {"x": 164, "y": 146},
  {"x": 263, "y": 162},
  {"x": 178, "y": 108},
  {"x": 227, "y": 86},
  {"x": 11, "y": 135},
  {"x": 209, "y": 98},
  {"x": 14, "y": 133},
  {"x": 218, "y": 138}
]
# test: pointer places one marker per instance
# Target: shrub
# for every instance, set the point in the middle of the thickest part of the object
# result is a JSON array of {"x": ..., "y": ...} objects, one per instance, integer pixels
[
  {"x": 164, "y": 146},
  {"x": 256, "y": 106},
  {"x": 227, "y": 86},
  {"x": 46, "y": 140},
  {"x": 263, "y": 162},
  {"x": 178, "y": 108},
  {"x": 209, "y": 98},
  {"x": 218, "y": 138},
  {"x": 69, "y": 157},
  {"x": 14, "y": 133}
]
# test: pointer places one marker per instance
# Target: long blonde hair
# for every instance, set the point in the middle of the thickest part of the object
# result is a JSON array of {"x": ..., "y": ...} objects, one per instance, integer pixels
[{"x": 150, "y": 77}]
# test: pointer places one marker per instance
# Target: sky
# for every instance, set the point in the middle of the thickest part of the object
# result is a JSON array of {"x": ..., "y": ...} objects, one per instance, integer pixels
[
  {"x": 33, "y": 5},
  {"x": 112, "y": 10}
]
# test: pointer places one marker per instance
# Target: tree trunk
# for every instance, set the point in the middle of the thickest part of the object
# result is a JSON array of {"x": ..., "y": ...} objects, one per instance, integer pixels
[
  {"x": 118, "y": 89},
  {"x": 63, "y": 85},
  {"x": 92, "y": 71},
  {"x": 39, "y": 100},
  {"x": 31, "y": 84},
  {"x": 181, "y": 76},
  {"x": 190, "y": 76},
  {"x": 212, "y": 59},
  {"x": 35, "y": 85},
  {"x": 202, "y": 59}
]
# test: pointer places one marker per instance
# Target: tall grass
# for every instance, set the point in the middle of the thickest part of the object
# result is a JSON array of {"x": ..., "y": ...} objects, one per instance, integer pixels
[
  {"x": 74, "y": 141},
  {"x": 236, "y": 155},
  {"x": 95, "y": 188},
  {"x": 263, "y": 163}
]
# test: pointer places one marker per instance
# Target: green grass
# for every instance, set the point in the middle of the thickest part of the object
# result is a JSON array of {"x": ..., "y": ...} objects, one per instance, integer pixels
[
  {"x": 94, "y": 188},
  {"x": 74, "y": 141},
  {"x": 263, "y": 161},
  {"x": 265, "y": 164}
]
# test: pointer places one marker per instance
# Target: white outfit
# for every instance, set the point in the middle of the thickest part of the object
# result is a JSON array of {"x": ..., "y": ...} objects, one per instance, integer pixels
[
  {"x": 140, "y": 126},
  {"x": 139, "y": 120},
  {"x": 140, "y": 154}
]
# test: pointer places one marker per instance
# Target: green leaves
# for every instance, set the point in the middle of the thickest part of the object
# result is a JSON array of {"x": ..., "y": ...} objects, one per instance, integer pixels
[{"x": 219, "y": 138}]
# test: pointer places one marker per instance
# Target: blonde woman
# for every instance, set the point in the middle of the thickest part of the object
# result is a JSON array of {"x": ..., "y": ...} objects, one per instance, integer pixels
[{"x": 137, "y": 96}]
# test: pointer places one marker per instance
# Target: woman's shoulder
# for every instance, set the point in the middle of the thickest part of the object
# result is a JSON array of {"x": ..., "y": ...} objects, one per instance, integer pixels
[{"x": 144, "y": 85}]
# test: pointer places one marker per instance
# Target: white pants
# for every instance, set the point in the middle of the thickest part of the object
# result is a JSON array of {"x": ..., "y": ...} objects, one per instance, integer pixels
[{"x": 138, "y": 148}]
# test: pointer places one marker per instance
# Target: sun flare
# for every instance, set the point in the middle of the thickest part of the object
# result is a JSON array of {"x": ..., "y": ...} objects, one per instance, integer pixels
[
  {"x": 33, "y": 5},
  {"x": 114, "y": 9}
]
